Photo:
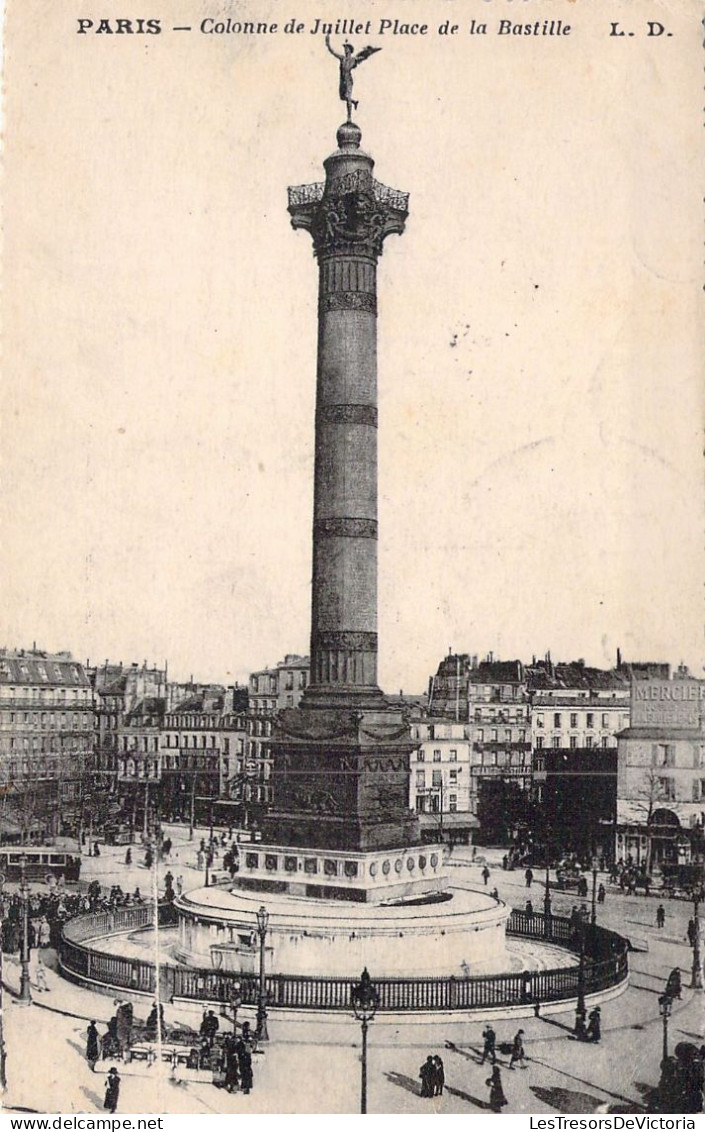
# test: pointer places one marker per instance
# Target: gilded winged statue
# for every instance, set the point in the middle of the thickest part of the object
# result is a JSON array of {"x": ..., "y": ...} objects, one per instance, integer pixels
[{"x": 348, "y": 61}]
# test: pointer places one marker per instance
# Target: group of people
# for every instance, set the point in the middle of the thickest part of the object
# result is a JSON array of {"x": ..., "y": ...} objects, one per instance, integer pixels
[
  {"x": 629, "y": 877},
  {"x": 211, "y": 849},
  {"x": 432, "y": 1076},
  {"x": 228, "y": 1057},
  {"x": 46, "y": 914},
  {"x": 592, "y": 1032},
  {"x": 497, "y": 1099},
  {"x": 681, "y": 1087}
]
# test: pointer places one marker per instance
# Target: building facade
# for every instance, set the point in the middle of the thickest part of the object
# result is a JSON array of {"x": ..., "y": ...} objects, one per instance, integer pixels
[
  {"x": 441, "y": 781},
  {"x": 661, "y": 773},
  {"x": 273, "y": 689},
  {"x": 46, "y": 743}
]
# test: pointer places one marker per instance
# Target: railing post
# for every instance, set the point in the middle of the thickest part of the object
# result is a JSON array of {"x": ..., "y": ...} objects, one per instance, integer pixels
[{"x": 452, "y": 993}]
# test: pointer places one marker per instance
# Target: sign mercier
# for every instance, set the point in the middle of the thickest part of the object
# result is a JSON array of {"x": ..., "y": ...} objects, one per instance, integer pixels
[{"x": 668, "y": 703}]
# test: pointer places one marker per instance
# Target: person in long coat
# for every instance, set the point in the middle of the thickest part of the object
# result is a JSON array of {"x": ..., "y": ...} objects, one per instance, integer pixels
[
  {"x": 92, "y": 1045},
  {"x": 427, "y": 1073},
  {"x": 125, "y": 1018},
  {"x": 244, "y": 1059},
  {"x": 232, "y": 1074},
  {"x": 518, "y": 1054},
  {"x": 112, "y": 1090},
  {"x": 497, "y": 1097},
  {"x": 439, "y": 1078},
  {"x": 673, "y": 984},
  {"x": 594, "y": 1031}
]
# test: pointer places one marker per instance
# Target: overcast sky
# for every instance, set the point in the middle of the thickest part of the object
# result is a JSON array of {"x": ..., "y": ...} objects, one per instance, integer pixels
[{"x": 540, "y": 400}]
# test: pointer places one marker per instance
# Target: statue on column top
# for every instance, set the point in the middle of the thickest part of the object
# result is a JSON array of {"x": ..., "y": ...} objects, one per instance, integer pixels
[{"x": 348, "y": 61}]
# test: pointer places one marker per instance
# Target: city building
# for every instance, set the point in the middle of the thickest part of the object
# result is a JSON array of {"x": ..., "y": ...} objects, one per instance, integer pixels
[
  {"x": 661, "y": 772},
  {"x": 46, "y": 743},
  {"x": 204, "y": 757},
  {"x": 272, "y": 689},
  {"x": 489, "y": 700},
  {"x": 574, "y": 706},
  {"x": 440, "y": 781}
]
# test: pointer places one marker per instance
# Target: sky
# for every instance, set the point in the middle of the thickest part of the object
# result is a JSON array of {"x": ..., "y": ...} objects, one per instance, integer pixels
[{"x": 539, "y": 365}]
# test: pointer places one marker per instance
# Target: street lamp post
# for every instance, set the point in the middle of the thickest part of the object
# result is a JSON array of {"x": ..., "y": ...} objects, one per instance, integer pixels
[
  {"x": 25, "y": 998},
  {"x": 235, "y": 1002},
  {"x": 593, "y": 914},
  {"x": 3, "y": 1051},
  {"x": 580, "y": 1010},
  {"x": 696, "y": 979},
  {"x": 547, "y": 895},
  {"x": 365, "y": 1001},
  {"x": 262, "y": 922},
  {"x": 665, "y": 1003}
]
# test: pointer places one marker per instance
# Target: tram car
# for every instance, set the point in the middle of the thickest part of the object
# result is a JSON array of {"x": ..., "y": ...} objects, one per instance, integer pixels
[{"x": 38, "y": 863}]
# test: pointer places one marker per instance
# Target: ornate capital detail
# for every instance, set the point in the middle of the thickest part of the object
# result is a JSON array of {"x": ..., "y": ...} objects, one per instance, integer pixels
[
  {"x": 348, "y": 301},
  {"x": 355, "y": 642},
  {"x": 348, "y": 414},
  {"x": 352, "y": 214},
  {"x": 345, "y": 528}
]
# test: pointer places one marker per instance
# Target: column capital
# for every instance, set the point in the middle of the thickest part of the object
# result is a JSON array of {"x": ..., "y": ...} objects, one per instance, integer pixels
[{"x": 351, "y": 215}]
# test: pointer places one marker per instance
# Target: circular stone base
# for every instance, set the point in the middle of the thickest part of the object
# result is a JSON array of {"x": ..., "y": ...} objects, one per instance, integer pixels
[{"x": 463, "y": 935}]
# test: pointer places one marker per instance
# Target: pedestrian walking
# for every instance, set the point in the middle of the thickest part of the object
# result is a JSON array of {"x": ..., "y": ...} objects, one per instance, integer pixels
[
  {"x": 179, "y": 885},
  {"x": 673, "y": 983},
  {"x": 529, "y": 908},
  {"x": 518, "y": 1054},
  {"x": 485, "y": 874},
  {"x": 660, "y": 916},
  {"x": 489, "y": 1050},
  {"x": 528, "y": 876},
  {"x": 691, "y": 932},
  {"x": 128, "y": 856},
  {"x": 244, "y": 1059},
  {"x": 112, "y": 1090},
  {"x": 594, "y": 1030},
  {"x": 601, "y": 894},
  {"x": 439, "y": 1078},
  {"x": 92, "y": 1045},
  {"x": 41, "y": 973},
  {"x": 427, "y": 1073},
  {"x": 497, "y": 1097},
  {"x": 232, "y": 1074}
]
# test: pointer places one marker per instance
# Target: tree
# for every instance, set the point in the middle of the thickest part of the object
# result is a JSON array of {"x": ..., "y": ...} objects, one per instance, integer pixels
[{"x": 645, "y": 802}]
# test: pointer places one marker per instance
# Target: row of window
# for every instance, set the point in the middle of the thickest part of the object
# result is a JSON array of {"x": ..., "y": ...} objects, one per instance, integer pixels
[
  {"x": 588, "y": 742},
  {"x": 268, "y": 683},
  {"x": 607, "y": 719},
  {"x": 431, "y": 804},
  {"x": 46, "y": 743},
  {"x": 78, "y": 720},
  {"x": 436, "y": 778},
  {"x": 46, "y": 695},
  {"x": 666, "y": 791},
  {"x": 664, "y": 754}
]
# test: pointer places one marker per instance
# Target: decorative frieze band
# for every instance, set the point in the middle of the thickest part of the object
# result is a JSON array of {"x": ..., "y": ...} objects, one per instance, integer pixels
[
  {"x": 346, "y": 528},
  {"x": 343, "y": 274},
  {"x": 348, "y": 301},
  {"x": 348, "y": 414},
  {"x": 355, "y": 642}
]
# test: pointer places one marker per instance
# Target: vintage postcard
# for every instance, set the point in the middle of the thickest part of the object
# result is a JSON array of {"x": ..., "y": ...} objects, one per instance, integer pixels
[{"x": 352, "y": 711}]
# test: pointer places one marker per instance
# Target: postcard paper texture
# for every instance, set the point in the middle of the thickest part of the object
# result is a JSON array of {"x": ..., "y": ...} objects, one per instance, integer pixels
[{"x": 506, "y": 445}]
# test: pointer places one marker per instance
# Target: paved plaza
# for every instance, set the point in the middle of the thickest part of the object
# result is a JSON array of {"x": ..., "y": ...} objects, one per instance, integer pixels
[{"x": 311, "y": 1064}]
